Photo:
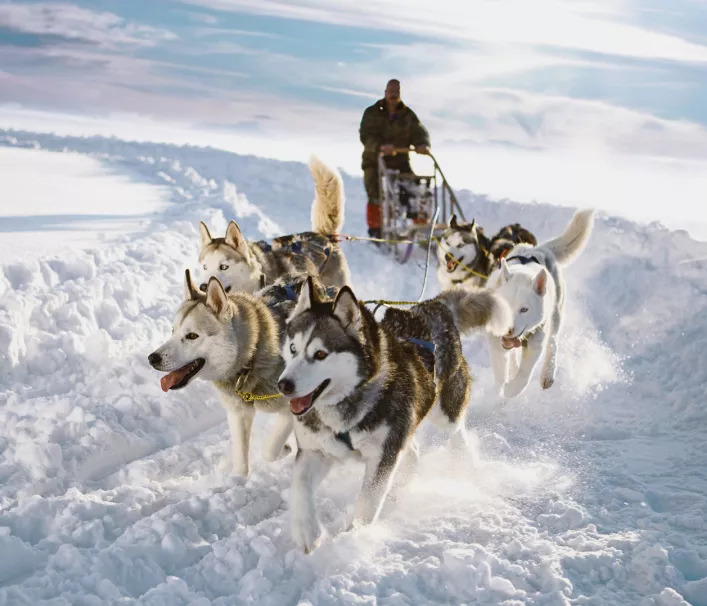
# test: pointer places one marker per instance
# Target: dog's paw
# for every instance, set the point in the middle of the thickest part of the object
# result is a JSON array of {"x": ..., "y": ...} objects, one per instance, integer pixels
[
  {"x": 240, "y": 470},
  {"x": 512, "y": 389},
  {"x": 547, "y": 378},
  {"x": 306, "y": 533},
  {"x": 271, "y": 456},
  {"x": 224, "y": 466},
  {"x": 234, "y": 469}
]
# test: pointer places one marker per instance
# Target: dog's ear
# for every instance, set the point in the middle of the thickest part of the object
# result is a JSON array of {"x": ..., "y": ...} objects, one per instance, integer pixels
[
  {"x": 234, "y": 237},
  {"x": 191, "y": 292},
  {"x": 472, "y": 227},
  {"x": 216, "y": 298},
  {"x": 505, "y": 272},
  {"x": 540, "y": 282},
  {"x": 347, "y": 309},
  {"x": 206, "y": 238},
  {"x": 453, "y": 222},
  {"x": 306, "y": 298}
]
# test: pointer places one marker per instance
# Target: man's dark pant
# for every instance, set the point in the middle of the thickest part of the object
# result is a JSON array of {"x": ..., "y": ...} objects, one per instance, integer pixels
[{"x": 374, "y": 211}]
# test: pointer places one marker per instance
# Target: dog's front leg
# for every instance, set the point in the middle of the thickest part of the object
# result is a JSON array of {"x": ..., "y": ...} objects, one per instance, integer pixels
[
  {"x": 276, "y": 447},
  {"x": 310, "y": 469},
  {"x": 240, "y": 422},
  {"x": 513, "y": 362},
  {"x": 499, "y": 360},
  {"x": 377, "y": 480},
  {"x": 529, "y": 358},
  {"x": 547, "y": 378}
]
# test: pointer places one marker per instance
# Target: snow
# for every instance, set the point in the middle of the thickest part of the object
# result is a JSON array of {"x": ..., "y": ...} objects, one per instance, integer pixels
[
  {"x": 594, "y": 492},
  {"x": 50, "y": 200}
]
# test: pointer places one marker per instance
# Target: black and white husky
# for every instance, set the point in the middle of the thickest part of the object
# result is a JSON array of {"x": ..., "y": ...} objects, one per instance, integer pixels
[
  {"x": 359, "y": 388},
  {"x": 244, "y": 265},
  {"x": 466, "y": 256}
]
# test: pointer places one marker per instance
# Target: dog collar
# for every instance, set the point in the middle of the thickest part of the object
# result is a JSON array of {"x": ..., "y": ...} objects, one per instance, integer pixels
[{"x": 248, "y": 396}]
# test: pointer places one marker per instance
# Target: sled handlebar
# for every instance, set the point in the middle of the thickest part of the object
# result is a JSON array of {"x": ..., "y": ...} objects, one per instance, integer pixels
[{"x": 402, "y": 150}]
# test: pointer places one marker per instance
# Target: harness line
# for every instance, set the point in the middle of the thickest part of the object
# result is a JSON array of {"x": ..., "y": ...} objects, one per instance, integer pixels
[
  {"x": 348, "y": 238},
  {"x": 429, "y": 249}
]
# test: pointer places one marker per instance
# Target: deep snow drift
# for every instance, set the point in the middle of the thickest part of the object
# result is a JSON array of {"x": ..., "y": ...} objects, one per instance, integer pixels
[{"x": 594, "y": 492}]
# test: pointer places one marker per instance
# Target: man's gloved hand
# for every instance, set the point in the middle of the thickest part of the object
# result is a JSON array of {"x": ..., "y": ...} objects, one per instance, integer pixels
[
  {"x": 422, "y": 149},
  {"x": 387, "y": 149}
]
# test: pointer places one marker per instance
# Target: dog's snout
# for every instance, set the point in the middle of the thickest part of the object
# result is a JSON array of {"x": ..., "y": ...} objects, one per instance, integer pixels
[
  {"x": 154, "y": 358},
  {"x": 286, "y": 387},
  {"x": 202, "y": 287}
]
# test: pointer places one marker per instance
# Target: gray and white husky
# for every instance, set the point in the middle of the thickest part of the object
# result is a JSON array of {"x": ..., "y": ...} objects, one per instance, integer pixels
[
  {"x": 234, "y": 341},
  {"x": 466, "y": 256},
  {"x": 243, "y": 265},
  {"x": 530, "y": 280},
  {"x": 359, "y": 388}
]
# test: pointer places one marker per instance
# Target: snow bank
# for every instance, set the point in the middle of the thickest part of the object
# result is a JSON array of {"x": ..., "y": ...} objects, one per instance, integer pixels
[{"x": 591, "y": 492}]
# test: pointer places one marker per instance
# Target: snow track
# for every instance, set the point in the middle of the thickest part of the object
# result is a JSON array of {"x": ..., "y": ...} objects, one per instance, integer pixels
[{"x": 594, "y": 492}]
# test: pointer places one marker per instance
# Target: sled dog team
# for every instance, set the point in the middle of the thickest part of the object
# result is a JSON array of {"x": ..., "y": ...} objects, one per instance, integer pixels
[{"x": 277, "y": 328}]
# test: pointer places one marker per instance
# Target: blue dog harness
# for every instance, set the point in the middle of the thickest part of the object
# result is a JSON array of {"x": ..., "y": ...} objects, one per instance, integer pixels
[{"x": 523, "y": 260}]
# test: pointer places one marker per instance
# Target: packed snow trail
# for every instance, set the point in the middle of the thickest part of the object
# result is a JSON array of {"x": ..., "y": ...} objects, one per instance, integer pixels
[{"x": 594, "y": 492}]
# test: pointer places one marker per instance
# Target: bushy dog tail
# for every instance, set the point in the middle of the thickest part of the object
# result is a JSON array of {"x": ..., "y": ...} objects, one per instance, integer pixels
[
  {"x": 567, "y": 246},
  {"x": 328, "y": 205},
  {"x": 478, "y": 308}
]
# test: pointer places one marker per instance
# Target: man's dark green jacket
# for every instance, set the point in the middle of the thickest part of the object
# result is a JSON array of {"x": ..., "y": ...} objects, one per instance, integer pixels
[{"x": 402, "y": 129}]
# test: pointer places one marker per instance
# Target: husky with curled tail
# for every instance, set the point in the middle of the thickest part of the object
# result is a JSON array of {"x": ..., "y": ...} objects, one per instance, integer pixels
[
  {"x": 530, "y": 280},
  {"x": 247, "y": 266},
  {"x": 359, "y": 389}
]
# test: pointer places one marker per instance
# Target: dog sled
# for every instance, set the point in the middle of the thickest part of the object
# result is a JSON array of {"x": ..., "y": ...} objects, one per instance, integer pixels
[{"x": 415, "y": 207}]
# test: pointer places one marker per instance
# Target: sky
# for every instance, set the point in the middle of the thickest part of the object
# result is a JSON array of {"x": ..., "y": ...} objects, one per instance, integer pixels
[{"x": 575, "y": 102}]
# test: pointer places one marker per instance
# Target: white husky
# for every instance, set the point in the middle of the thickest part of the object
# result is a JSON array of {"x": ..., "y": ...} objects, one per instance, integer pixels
[{"x": 529, "y": 279}]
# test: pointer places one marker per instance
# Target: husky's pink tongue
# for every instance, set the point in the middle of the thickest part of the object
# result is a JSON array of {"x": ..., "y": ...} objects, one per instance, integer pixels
[
  {"x": 510, "y": 342},
  {"x": 299, "y": 405},
  {"x": 174, "y": 378}
]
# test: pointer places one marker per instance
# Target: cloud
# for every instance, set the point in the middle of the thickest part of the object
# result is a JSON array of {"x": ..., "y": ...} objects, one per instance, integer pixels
[
  {"x": 204, "y": 32},
  {"x": 598, "y": 27},
  {"x": 76, "y": 24},
  {"x": 203, "y": 18}
]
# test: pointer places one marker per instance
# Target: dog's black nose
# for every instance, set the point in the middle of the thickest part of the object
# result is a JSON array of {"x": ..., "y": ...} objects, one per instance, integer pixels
[
  {"x": 154, "y": 359},
  {"x": 228, "y": 289},
  {"x": 286, "y": 387},
  {"x": 202, "y": 287}
]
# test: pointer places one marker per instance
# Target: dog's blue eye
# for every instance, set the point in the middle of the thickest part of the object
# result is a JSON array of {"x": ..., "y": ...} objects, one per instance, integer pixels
[
  {"x": 223, "y": 267},
  {"x": 191, "y": 336},
  {"x": 523, "y": 310},
  {"x": 320, "y": 354},
  {"x": 293, "y": 349}
]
